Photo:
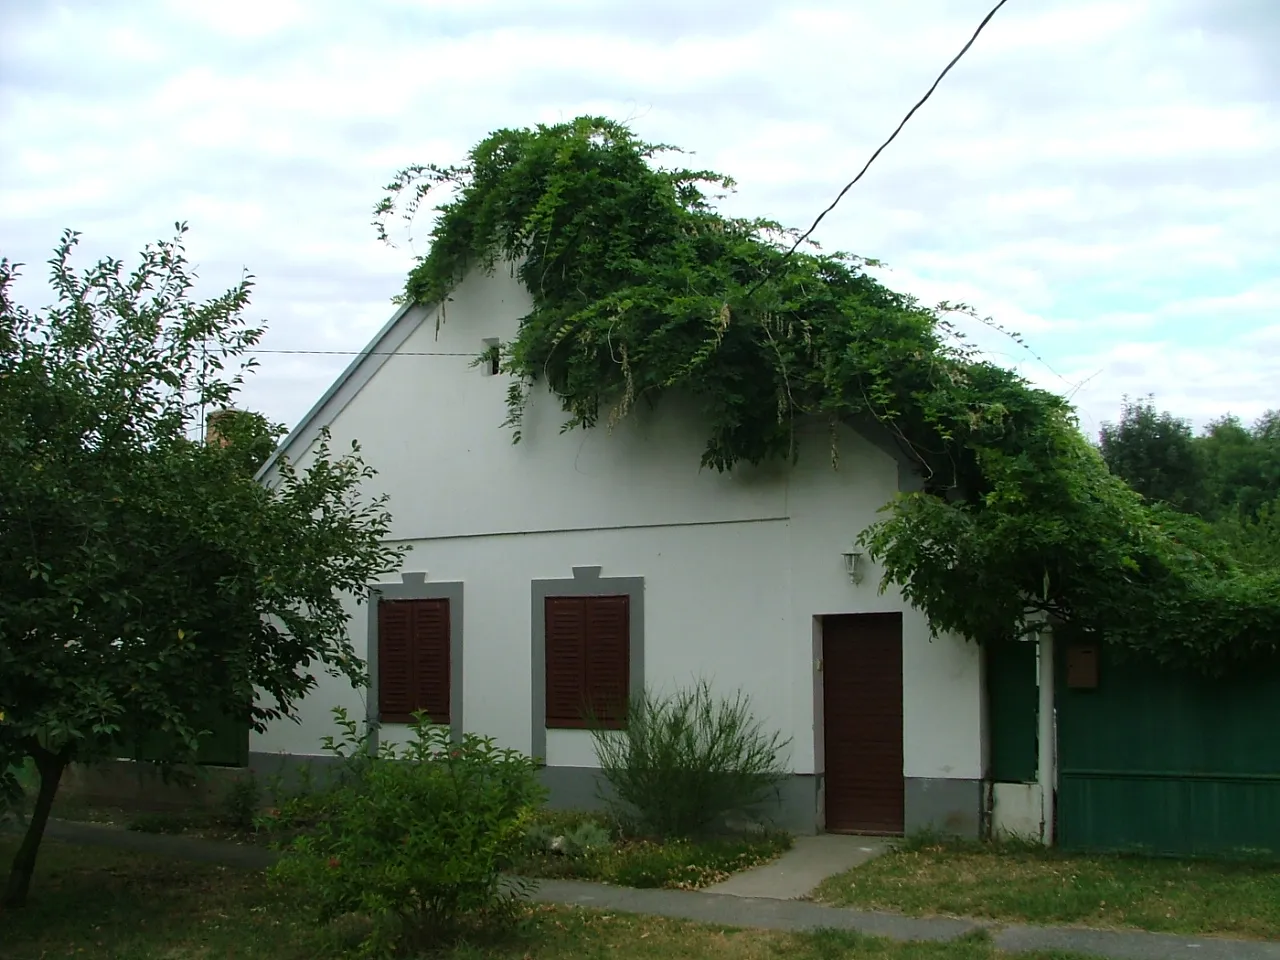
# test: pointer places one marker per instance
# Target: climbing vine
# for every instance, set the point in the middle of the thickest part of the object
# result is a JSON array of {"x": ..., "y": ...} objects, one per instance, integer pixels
[{"x": 640, "y": 287}]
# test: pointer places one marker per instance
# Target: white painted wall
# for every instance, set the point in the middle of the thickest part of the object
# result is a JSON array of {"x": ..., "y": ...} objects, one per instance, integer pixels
[
  {"x": 736, "y": 566},
  {"x": 1016, "y": 811},
  {"x": 433, "y": 426},
  {"x": 828, "y": 508}
]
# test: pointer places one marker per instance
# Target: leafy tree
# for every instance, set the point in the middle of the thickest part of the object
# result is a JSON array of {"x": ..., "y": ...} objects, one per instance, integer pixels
[
  {"x": 640, "y": 288},
  {"x": 1254, "y": 540},
  {"x": 1229, "y": 471},
  {"x": 1157, "y": 454},
  {"x": 144, "y": 575},
  {"x": 1243, "y": 464},
  {"x": 248, "y": 437}
]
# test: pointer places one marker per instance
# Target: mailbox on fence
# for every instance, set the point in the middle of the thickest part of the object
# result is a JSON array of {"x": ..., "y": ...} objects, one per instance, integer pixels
[{"x": 1082, "y": 666}]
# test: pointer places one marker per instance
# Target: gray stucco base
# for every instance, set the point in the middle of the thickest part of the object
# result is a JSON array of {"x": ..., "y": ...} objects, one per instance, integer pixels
[
  {"x": 288, "y": 772},
  {"x": 794, "y": 808},
  {"x": 947, "y": 806},
  {"x": 944, "y": 806},
  {"x": 938, "y": 805}
]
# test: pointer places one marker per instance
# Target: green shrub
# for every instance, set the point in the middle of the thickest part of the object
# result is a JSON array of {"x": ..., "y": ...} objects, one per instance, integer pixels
[
  {"x": 297, "y": 802},
  {"x": 586, "y": 839},
  {"x": 240, "y": 803},
  {"x": 674, "y": 864},
  {"x": 293, "y": 808},
  {"x": 416, "y": 839},
  {"x": 687, "y": 759},
  {"x": 539, "y": 837},
  {"x": 18, "y": 781},
  {"x": 570, "y": 833}
]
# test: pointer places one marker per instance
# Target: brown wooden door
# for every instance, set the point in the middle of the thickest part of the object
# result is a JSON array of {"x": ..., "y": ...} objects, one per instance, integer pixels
[{"x": 862, "y": 722}]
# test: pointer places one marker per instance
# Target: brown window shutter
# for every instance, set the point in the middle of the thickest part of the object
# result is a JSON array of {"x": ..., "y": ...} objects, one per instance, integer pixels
[
  {"x": 431, "y": 658},
  {"x": 588, "y": 660},
  {"x": 413, "y": 660},
  {"x": 608, "y": 657},
  {"x": 565, "y": 660},
  {"x": 395, "y": 661}
]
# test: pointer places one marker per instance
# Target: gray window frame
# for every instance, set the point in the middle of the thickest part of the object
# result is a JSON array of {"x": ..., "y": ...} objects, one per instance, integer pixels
[
  {"x": 414, "y": 585},
  {"x": 585, "y": 582}
]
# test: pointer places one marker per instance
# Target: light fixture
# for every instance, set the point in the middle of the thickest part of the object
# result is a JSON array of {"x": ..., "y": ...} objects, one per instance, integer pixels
[{"x": 853, "y": 565}]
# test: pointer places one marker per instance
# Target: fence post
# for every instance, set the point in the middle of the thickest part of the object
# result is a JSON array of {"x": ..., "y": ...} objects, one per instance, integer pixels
[{"x": 1046, "y": 766}]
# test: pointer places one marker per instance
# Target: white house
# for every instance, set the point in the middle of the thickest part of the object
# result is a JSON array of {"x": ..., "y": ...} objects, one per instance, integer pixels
[{"x": 581, "y": 563}]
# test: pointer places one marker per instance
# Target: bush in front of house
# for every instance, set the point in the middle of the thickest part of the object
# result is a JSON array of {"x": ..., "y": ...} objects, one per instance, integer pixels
[
  {"x": 17, "y": 779},
  {"x": 584, "y": 845},
  {"x": 688, "y": 758},
  {"x": 240, "y": 803},
  {"x": 587, "y": 836},
  {"x": 417, "y": 840}
]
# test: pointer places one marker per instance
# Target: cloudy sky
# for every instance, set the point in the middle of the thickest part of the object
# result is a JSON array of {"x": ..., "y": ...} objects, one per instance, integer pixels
[{"x": 1102, "y": 176}]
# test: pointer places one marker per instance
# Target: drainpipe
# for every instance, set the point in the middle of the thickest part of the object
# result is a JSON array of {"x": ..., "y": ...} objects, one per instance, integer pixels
[{"x": 1046, "y": 767}]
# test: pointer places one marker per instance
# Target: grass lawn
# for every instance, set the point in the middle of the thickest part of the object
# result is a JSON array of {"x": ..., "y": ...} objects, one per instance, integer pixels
[
  {"x": 207, "y": 825},
  {"x": 675, "y": 865},
  {"x": 97, "y": 903},
  {"x": 1019, "y": 882}
]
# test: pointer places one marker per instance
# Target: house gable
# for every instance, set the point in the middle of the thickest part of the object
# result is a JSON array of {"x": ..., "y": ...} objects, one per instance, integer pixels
[
  {"x": 431, "y": 422},
  {"x": 343, "y": 390}
]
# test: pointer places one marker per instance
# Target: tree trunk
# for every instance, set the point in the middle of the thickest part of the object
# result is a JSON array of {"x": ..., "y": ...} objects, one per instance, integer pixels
[{"x": 50, "y": 766}]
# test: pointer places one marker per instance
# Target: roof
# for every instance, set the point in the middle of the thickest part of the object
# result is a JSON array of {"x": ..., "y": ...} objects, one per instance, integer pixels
[{"x": 349, "y": 383}]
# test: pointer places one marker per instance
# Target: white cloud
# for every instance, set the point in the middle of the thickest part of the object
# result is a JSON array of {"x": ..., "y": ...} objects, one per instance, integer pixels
[
  {"x": 1100, "y": 176},
  {"x": 240, "y": 19},
  {"x": 1237, "y": 373}
]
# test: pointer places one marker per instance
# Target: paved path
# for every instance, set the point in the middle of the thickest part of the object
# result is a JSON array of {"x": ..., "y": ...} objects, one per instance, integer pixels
[
  {"x": 771, "y": 914},
  {"x": 795, "y": 874},
  {"x": 737, "y": 911}
]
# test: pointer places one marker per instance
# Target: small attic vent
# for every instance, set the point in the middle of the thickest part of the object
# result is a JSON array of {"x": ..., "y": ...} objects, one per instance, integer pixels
[{"x": 492, "y": 356}]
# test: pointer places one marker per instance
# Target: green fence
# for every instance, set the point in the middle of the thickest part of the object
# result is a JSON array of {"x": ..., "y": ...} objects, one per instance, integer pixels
[
  {"x": 225, "y": 745},
  {"x": 1013, "y": 706},
  {"x": 1166, "y": 762}
]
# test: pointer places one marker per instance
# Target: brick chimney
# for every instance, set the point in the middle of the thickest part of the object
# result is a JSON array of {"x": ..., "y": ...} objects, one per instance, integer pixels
[{"x": 211, "y": 432}]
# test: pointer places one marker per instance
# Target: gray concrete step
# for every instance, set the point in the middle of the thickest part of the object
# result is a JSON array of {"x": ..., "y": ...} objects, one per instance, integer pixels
[{"x": 797, "y": 872}]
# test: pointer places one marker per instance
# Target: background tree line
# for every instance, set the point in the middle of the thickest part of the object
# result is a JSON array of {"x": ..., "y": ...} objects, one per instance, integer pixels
[{"x": 1228, "y": 474}]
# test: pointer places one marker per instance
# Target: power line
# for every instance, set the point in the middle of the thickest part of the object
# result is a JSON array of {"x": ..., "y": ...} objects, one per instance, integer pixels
[
  {"x": 370, "y": 353},
  {"x": 763, "y": 280},
  {"x": 910, "y": 113}
]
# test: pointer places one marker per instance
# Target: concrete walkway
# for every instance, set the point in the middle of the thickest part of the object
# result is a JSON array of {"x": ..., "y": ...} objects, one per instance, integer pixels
[
  {"x": 796, "y": 873},
  {"x": 766, "y": 913},
  {"x": 772, "y": 914}
]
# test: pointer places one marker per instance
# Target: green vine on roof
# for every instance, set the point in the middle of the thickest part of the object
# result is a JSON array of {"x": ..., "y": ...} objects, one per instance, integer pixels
[{"x": 641, "y": 287}]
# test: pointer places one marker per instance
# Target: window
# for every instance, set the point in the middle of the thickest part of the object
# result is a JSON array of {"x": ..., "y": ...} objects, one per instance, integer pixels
[
  {"x": 588, "y": 655},
  {"x": 492, "y": 356},
  {"x": 413, "y": 660}
]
